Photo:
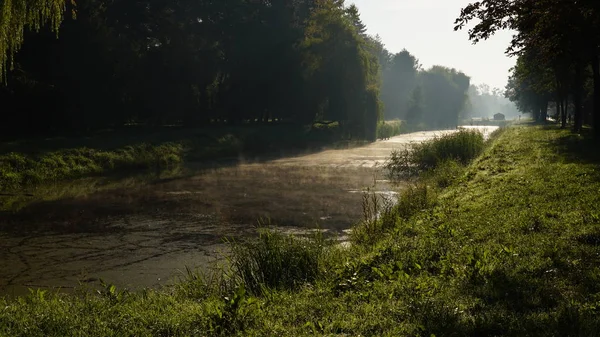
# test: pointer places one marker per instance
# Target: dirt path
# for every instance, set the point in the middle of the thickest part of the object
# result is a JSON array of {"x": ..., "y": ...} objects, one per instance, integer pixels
[{"x": 145, "y": 236}]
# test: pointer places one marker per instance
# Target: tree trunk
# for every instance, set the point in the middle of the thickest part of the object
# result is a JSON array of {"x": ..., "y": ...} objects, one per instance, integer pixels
[
  {"x": 578, "y": 120},
  {"x": 541, "y": 111},
  {"x": 535, "y": 113},
  {"x": 596, "y": 100},
  {"x": 560, "y": 102},
  {"x": 544, "y": 112},
  {"x": 563, "y": 113},
  {"x": 577, "y": 98},
  {"x": 578, "y": 111}
]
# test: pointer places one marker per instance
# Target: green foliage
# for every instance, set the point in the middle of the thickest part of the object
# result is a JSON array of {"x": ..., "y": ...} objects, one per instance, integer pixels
[
  {"x": 530, "y": 86},
  {"x": 19, "y": 170},
  {"x": 17, "y": 16},
  {"x": 557, "y": 47},
  {"x": 380, "y": 217},
  {"x": 399, "y": 79},
  {"x": 461, "y": 146},
  {"x": 445, "y": 173},
  {"x": 195, "y": 63},
  {"x": 342, "y": 71}
]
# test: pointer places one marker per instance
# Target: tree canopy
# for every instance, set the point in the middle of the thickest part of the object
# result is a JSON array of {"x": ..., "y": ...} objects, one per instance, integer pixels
[{"x": 192, "y": 62}]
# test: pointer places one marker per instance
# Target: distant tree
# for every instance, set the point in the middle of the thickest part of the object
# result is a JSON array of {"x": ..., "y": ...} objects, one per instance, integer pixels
[
  {"x": 445, "y": 96},
  {"x": 354, "y": 15},
  {"x": 483, "y": 102},
  {"x": 414, "y": 114},
  {"x": 399, "y": 80},
  {"x": 342, "y": 72},
  {"x": 376, "y": 47},
  {"x": 531, "y": 86}
]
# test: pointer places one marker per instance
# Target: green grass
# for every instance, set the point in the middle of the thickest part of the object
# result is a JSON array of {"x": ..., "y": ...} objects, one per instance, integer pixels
[
  {"x": 18, "y": 170},
  {"x": 510, "y": 247},
  {"x": 30, "y": 163}
]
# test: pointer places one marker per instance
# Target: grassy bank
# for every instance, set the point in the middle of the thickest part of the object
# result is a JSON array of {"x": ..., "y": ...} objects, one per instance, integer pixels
[
  {"x": 20, "y": 170},
  {"x": 507, "y": 246},
  {"x": 29, "y": 163}
]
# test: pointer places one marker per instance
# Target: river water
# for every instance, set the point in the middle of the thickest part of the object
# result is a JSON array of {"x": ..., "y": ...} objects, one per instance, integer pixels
[{"x": 140, "y": 233}]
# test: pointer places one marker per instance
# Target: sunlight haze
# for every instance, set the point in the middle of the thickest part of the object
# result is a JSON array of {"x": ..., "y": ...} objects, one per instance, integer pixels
[{"x": 425, "y": 29}]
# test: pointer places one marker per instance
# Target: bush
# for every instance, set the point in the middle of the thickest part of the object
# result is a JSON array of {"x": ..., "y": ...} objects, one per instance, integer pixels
[{"x": 461, "y": 146}]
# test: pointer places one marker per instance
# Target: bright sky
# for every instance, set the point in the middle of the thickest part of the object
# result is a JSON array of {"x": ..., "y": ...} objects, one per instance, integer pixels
[{"x": 425, "y": 29}]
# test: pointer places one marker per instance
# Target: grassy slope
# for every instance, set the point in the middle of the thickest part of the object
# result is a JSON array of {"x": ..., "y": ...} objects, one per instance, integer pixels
[{"x": 512, "y": 247}]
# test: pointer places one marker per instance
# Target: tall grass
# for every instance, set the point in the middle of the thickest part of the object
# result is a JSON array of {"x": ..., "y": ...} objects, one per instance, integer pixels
[
  {"x": 461, "y": 146},
  {"x": 276, "y": 261},
  {"x": 380, "y": 217}
]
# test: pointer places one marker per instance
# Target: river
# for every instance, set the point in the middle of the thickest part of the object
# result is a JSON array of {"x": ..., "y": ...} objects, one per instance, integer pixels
[{"x": 137, "y": 233}]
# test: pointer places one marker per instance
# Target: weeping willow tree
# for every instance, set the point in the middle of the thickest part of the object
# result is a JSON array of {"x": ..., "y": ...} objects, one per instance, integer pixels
[{"x": 18, "y": 15}]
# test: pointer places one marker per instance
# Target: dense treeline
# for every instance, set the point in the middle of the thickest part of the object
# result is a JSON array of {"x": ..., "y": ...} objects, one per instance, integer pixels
[
  {"x": 195, "y": 62},
  {"x": 557, "y": 44},
  {"x": 434, "y": 98},
  {"x": 427, "y": 99}
]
